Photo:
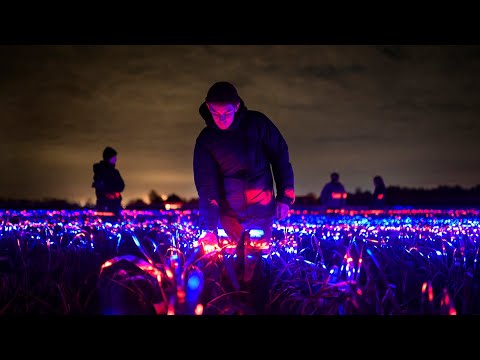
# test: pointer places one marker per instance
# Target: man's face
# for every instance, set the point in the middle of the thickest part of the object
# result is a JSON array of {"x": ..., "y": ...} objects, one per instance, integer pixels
[
  {"x": 223, "y": 114},
  {"x": 113, "y": 160}
]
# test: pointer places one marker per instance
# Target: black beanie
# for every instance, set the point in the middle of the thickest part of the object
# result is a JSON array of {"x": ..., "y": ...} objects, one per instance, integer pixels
[
  {"x": 108, "y": 153},
  {"x": 222, "y": 92}
]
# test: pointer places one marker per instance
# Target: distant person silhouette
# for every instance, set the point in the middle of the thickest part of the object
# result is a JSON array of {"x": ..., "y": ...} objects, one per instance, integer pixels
[
  {"x": 379, "y": 193},
  {"x": 333, "y": 194},
  {"x": 108, "y": 183}
]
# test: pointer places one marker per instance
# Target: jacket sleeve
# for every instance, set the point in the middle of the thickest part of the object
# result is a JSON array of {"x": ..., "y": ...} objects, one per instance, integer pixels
[
  {"x": 206, "y": 177},
  {"x": 325, "y": 194},
  {"x": 118, "y": 183},
  {"x": 277, "y": 150},
  {"x": 98, "y": 178}
]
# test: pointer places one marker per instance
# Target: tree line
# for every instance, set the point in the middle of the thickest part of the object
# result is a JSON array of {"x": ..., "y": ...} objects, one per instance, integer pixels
[{"x": 439, "y": 197}]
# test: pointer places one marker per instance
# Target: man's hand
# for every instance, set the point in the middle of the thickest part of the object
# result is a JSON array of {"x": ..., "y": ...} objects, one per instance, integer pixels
[
  {"x": 209, "y": 241},
  {"x": 282, "y": 210}
]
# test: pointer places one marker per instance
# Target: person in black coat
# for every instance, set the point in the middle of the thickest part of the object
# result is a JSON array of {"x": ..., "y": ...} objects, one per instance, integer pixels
[
  {"x": 237, "y": 157},
  {"x": 333, "y": 194},
  {"x": 108, "y": 183},
  {"x": 379, "y": 193}
]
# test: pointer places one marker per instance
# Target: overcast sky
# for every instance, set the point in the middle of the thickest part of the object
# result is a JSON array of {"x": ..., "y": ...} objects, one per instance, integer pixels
[{"x": 408, "y": 113}]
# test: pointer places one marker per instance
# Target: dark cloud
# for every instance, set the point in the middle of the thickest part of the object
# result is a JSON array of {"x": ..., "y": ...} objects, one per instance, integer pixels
[
  {"x": 348, "y": 139},
  {"x": 330, "y": 72},
  {"x": 393, "y": 52}
]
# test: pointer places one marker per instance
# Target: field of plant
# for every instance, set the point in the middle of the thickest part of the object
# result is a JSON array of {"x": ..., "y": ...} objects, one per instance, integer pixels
[{"x": 392, "y": 262}]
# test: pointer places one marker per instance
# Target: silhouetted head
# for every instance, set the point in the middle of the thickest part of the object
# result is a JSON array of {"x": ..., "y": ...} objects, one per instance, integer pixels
[
  {"x": 110, "y": 155},
  {"x": 378, "y": 181},
  {"x": 334, "y": 177},
  {"x": 223, "y": 102}
]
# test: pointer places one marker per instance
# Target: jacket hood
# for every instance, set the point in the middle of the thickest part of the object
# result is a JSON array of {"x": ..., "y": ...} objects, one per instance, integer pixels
[{"x": 207, "y": 116}]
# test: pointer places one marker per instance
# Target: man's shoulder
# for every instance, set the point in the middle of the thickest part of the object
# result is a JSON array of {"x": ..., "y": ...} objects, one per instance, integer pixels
[
  {"x": 258, "y": 119},
  {"x": 206, "y": 131}
]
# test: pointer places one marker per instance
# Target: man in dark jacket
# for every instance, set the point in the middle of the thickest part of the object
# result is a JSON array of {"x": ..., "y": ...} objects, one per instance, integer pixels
[
  {"x": 108, "y": 183},
  {"x": 237, "y": 157},
  {"x": 333, "y": 194},
  {"x": 379, "y": 193}
]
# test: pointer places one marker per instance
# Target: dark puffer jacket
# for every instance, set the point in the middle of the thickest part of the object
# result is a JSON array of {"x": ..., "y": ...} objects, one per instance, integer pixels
[
  {"x": 108, "y": 184},
  {"x": 233, "y": 168}
]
